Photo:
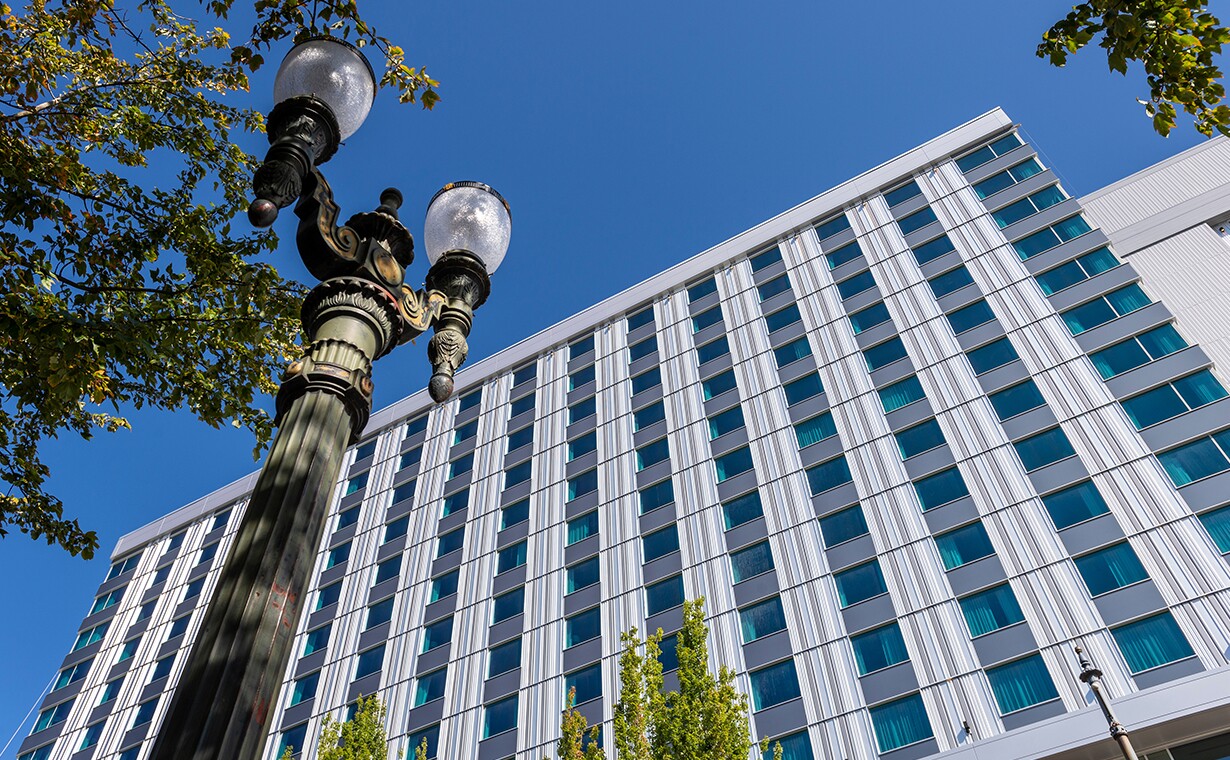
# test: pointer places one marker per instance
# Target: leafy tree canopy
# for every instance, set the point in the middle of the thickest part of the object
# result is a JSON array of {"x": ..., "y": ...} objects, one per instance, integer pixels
[
  {"x": 362, "y": 737},
  {"x": 1176, "y": 41},
  {"x": 122, "y": 281}
]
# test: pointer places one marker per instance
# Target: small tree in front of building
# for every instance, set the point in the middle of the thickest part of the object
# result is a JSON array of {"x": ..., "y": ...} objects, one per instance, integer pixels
[{"x": 362, "y": 737}]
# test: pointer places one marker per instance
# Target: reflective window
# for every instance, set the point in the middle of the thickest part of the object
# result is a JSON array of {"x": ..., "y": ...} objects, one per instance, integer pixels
[
  {"x": 706, "y": 318},
  {"x": 582, "y": 575},
  {"x": 465, "y": 432},
  {"x": 783, "y": 317},
  {"x": 752, "y": 561},
  {"x": 1074, "y": 505},
  {"x": 469, "y": 400},
  {"x": 1046, "y": 239},
  {"x": 1016, "y": 399},
  {"x": 660, "y": 543},
  {"x": 916, "y": 221},
  {"x": 581, "y": 528},
  {"x": 510, "y": 557},
  {"x": 1028, "y": 206},
  {"x": 990, "y": 610},
  {"x": 964, "y": 545},
  {"x": 718, "y": 384},
  {"x": 776, "y": 286},
  {"x": 950, "y": 281},
  {"x": 584, "y": 684},
  {"x": 649, "y": 379},
  {"x": 500, "y": 716},
  {"x": 518, "y": 474},
  {"x": 852, "y": 286},
  {"x": 1066, "y": 275},
  {"x": 1217, "y": 523},
  {"x": 1007, "y": 178},
  {"x": 969, "y": 317},
  {"x": 515, "y": 514},
  {"x": 940, "y": 489},
  {"x": 317, "y": 639},
  {"x": 519, "y": 438},
  {"x": 828, "y": 475},
  {"x": 761, "y": 619},
  {"x": 774, "y": 685},
  {"x": 814, "y": 430},
  {"x": 405, "y": 491},
  {"x": 712, "y": 350},
  {"x": 901, "y": 393},
  {"x": 337, "y": 555},
  {"x": 1110, "y": 568},
  {"x": 504, "y": 657},
  {"x": 1174, "y": 398},
  {"x": 1020, "y": 684},
  {"x": 586, "y": 482},
  {"x": 583, "y": 626},
  {"x": 524, "y": 374},
  {"x": 369, "y": 662},
  {"x": 860, "y": 583},
  {"x": 919, "y": 438},
  {"x": 992, "y": 355},
  {"x": 932, "y": 249},
  {"x": 451, "y": 541},
  {"x": 580, "y": 347},
  {"x": 900, "y": 722},
  {"x": 521, "y": 405},
  {"x": 410, "y": 458},
  {"x": 724, "y": 422},
  {"x": 702, "y": 289},
  {"x": 1137, "y": 351},
  {"x": 664, "y": 595},
  {"x": 845, "y": 254},
  {"x": 1043, "y": 448},
  {"x": 832, "y": 227},
  {"x": 328, "y": 595},
  {"x": 416, "y": 425},
  {"x": 765, "y": 259},
  {"x": 1101, "y": 310},
  {"x": 802, "y": 389},
  {"x": 1199, "y": 459},
  {"x": 640, "y": 318},
  {"x": 902, "y": 194},
  {"x": 878, "y": 649},
  {"x": 742, "y": 509},
  {"x": 652, "y": 453},
  {"x": 843, "y": 525},
  {"x": 444, "y": 586},
  {"x": 792, "y": 352},
  {"x": 884, "y": 354},
  {"x": 657, "y": 495},
  {"x": 430, "y": 687},
  {"x": 507, "y": 605},
  {"x": 582, "y": 409},
  {"x": 735, "y": 463},
  {"x": 981, "y": 156},
  {"x": 642, "y": 349},
  {"x": 579, "y": 447},
  {"x": 455, "y": 502},
  {"x": 305, "y": 688},
  {"x": 873, "y": 315}
]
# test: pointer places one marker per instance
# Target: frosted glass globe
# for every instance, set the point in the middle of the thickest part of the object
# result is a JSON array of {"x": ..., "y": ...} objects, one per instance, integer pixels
[
  {"x": 468, "y": 216},
  {"x": 332, "y": 71}
]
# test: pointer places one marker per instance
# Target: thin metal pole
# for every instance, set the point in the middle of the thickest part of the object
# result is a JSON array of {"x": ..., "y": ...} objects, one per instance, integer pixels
[{"x": 1092, "y": 676}]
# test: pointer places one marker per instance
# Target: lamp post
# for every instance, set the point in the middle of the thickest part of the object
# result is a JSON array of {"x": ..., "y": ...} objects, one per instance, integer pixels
[
  {"x": 1092, "y": 676},
  {"x": 360, "y": 311}
]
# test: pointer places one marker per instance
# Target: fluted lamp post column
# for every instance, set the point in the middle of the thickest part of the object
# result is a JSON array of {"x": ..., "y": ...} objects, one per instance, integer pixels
[
  {"x": 360, "y": 311},
  {"x": 1091, "y": 675}
]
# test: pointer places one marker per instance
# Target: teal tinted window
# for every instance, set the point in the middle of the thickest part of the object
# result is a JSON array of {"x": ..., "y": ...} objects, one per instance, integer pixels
[
  {"x": 500, "y": 716},
  {"x": 1043, "y": 448},
  {"x": 712, "y": 350},
  {"x": 404, "y": 491},
  {"x": 1020, "y": 684},
  {"x": 657, "y": 495},
  {"x": 664, "y": 595},
  {"x": 582, "y": 627},
  {"x": 969, "y": 317},
  {"x": 1173, "y": 399},
  {"x": 652, "y": 453},
  {"x": 410, "y": 458},
  {"x": 317, "y": 639},
  {"x": 792, "y": 352},
  {"x": 465, "y": 432},
  {"x": 369, "y": 662},
  {"x": 724, "y": 422},
  {"x": 1028, "y": 206},
  {"x": 845, "y": 254},
  {"x": 640, "y": 318},
  {"x": 72, "y": 674},
  {"x": 1151, "y": 642},
  {"x": 1007, "y": 178},
  {"x": 580, "y": 347},
  {"x": 852, "y": 286},
  {"x": 1102, "y": 310},
  {"x": 939, "y": 489},
  {"x": 932, "y": 249},
  {"x": 503, "y": 658},
  {"x": 429, "y": 736},
  {"x": 581, "y": 377},
  {"x": 585, "y": 684},
  {"x": 365, "y": 450},
  {"x": 776, "y": 286},
  {"x": 859, "y": 583},
  {"x": 582, "y": 409},
  {"x": 416, "y": 425},
  {"x": 761, "y": 619},
  {"x": 444, "y": 586},
  {"x": 92, "y": 734},
  {"x": 524, "y": 374},
  {"x": 1066, "y": 275},
  {"x": 766, "y": 259},
  {"x": 832, "y": 227},
  {"x": 901, "y": 722},
  {"x": 586, "y": 482},
  {"x": 964, "y": 545},
  {"x": 803, "y": 388},
  {"x": 451, "y": 541},
  {"x": 379, "y": 613},
  {"x": 902, "y": 194},
  {"x": 514, "y": 514},
  {"x": 52, "y": 715},
  {"x": 521, "y": 405},
  {"x": 328, "y": 595},
  {"x": 742, "y": 509},
  {"x": 991, "y": 610},
  {"x": 1057, "y": 234},
  {"x": 579, "y": 447},
  {"x": 1138, "y": 350},
  {"x": 582, "y": 527},
  {"x": 774, "y": 685},
  {"x": 702, "y": 289},
  {"x": 735, "y": 463},
  {"x": 718, "y": 384},
  {"x": 337, "y": 555},
  {"x": 876, "y": 314},
  {"x": 642, "y": 349},
  {"x": 508, "y": 604},
  {"x": 879, "y": 649},
  {"x": 916, "y": 221},
  {"x": 649, "y": 379},
  {"x": 1017, "y": 399},
  {"x": 510, "y": 557},
  {"x": 706, "y": 318},
  {"x": 113, "y": 598},
  {"x": 112, "y": 689},
  {"x": 992, "y": 355},
  {"x": 668, "y": 653},
  {"x": 388, "y": 570},
  {"x": 461, "y": 465},
  {"x": 828, "y": 475},
  {"x": 352, "y": 485},
  {"x": 884, "y": 354},
  {"x": 1073, "y": 505},
  {"x": 950, "y": 281},
  {"x": 660, "y": 543},
  {"x": 816, "y": 429},
  {"x": 796, "y": 746},
  {"x": 518, "y": 474},
  {"x": 90, "y": 636},
  {"x": 783, "y": 317},
  {"x": 986, "y": 153},
  {"x": 430, "y": 687},
  {"x": 1217, "y": 523},
  {"x": 583, "y": 574},
  {"x": 455, "y": 502},
  {"x": 469, "y": 400},
  {"x": 752, "y": 561},
  {"x": 901, "y": 393},
  {"x": 843, "y": 525},
  {"x": 1111, "y": 568},
  {"x": 648, "y": 415},
  {"x": 919, "y": 438},
  {"x": 292, "y": 738},
  {"x": 1198, "y": 459}
]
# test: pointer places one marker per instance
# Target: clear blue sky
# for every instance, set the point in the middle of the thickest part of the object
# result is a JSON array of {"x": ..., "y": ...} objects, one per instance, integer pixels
[{"x": 627, "y": 137}]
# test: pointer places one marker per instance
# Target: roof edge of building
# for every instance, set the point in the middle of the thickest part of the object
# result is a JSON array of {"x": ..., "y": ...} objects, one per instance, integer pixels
[{"x": 1150, "y": 170}]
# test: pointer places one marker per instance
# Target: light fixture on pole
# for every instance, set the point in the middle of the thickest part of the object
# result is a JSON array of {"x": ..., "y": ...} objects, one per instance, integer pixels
[
  {"x": 360, "y": 311},
  {"x": 1093, "y": 676}
]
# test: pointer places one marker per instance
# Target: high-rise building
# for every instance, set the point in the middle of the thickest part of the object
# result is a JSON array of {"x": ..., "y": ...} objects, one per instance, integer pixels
[{"x": 912, "y": 440}]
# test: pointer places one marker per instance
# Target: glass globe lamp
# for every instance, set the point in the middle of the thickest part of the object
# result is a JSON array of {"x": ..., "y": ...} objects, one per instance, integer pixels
[
  {"x": 332, "y": 71},
  {"x": 468, "y": 217}
]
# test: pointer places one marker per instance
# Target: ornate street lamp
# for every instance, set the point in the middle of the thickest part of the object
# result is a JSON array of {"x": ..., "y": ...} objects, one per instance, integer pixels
[
  {"x": 360, "y": 311},
  {"x": 1091, "y": 675}
]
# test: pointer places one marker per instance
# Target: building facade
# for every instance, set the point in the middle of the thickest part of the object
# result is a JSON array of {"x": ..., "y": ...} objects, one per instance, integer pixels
[{"x": 912, "y": 440}]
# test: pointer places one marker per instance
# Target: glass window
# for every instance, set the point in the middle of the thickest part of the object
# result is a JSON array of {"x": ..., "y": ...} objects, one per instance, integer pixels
[
  {"x": 504, "y": 657},
  {"x": 843, "y": 525},
  {"x": 712, "y": 350},
  {"x": 1073, "y": 505},
  {"x": 583, "y": 574},
  {"x": 580, "y": 347},
  {"x": 586, "y": 482},
  {"x": 1007, "y": 178},
  {"x": 111, "y": 690},
  {"x": 992, "y": 355},
  {"x": 832, "y": 227},
  {"x": 964, "y": 545},
  {"x": 660, "y": 543},
  {"x": 1021, "y": 684},
  {"x": 828, "y": 475},
  {"x": 649, "y": 379},
  {"x": 765, "y": 259},
  {"x": 210, "y": 550},
  {"x": 337, "y": 555},
  {"x": 724, "y": 422},
  {"x": 130, "y": 648},
  {"x": 1200, "y": 459},
  {"x": 92, "y": 734},
  {"x": 1077, "y": 270},
  {"x": 451, "y": 541},
  {"x": 1110, "y": 568},
  {"x": 916, "y": 221},
  {"x": 1151, "y": 642},
  {"x": 802, "y": 389},
  {"x": 643, "y": 348},
  {"x": 978, "y": 158},
  {"x": 519, "y": 438},
  {"x": 176, "y": 541},
  {"x": 664, "y": 595},
  {"x": 648, "y": 415},
  {"x": 317, "y": 639},
  {"x": 668, "y": 652},
  {"x": 969, "y": 317},
  {"x": 581, "y": 528},
  {"x": 702, "y": 289},
  {"x": 410, "y": 458},
  {"x": 72, "y": 674},
  {"x": 707, "y": 318},
  {"x": 657, "y": 495},
  {"x": 455, "y": 502},
  {"x": 652, "y": 453},
  {"x": 305, "y": 688},
  {"x": 814, "y": 430},
  {"x": 860, "y": 583},
  {"x": 1028, "y": 206},
  {"x": 919, "y": 438},
  {"x": 469, "y": 400},
  {"x": 783, "y": 317},
  {"x": 110, "y": 599},
  {"x": 774, "y": 685},
  {"x": 1173, "y": 399},
  {"x": 752, "y": 561},
  {"x": 1046, "y": 239},
  {"x": 328, "y": 595},
  {"x": 990, "y": 610},
  {"x": 901, "y": 393},
  {"x": 582, "y": 409},
  {"x": 884, "y": 354},
  {"x": 521, "y": 405},
  {"x": 179, "y": 626},
  {"x": 900, "y": 723},
  {"x": 404, "y": 491},
  {"x": 194, "y": 588},
  {"x": 761, "y": 619},
  {"x": 742, "y": 509},
  {"x": 145, "y": 712},
  {"x": 581, "y": 377},
  {"x": 791, "y": 352},
  {"x": 524, "y": 374},
  {"x": 852, "y": 286},
  {"x": 941, "y": 488},
  {"x": 1217, "y": 523},
  {"x": 586, "y": 682},
  {"x": 515, "y": 514},
  {"x": 507, "y": 605},
  {"x": 344, "y": 520},
  {"x": 396, "y": 529},
  {"x": 1138, "y": 350},
  {"x": 461, "y": 465},
  {"x": 465, "y": 432},
  {"x": 221, "y": 519},
  {"x": 292, "y": 739},
  {"x": 365, "y": 450},
  {"x": 146, "y": 610},
  {"x": 847, "y": 253},
  {"x": 1043, "y": 448},
  {"x": 640, "y": 318},
  {"x": 430, "y": 686},
  {"x": 583, "y": 626},
  {"x": 873, "y": 315},
  {"x": 432, "y": 736},
  {"x": 932, "y": 249},
  {"x": 1017, "y": 399},
  {"x": 794, "y": 747},
  {"x": 369, "y": 662},
  {"x": 416, "y": 425},
  {"x": 90, "y": 636},
  {"x": 950, "y": 281},
  {"x": 1105, "y": 308},
  {"x": 902, "y": 194},
  {"x": 518, "y": 473},
  {"x": 878, "y": 649},
  {"x": 500, "y": 716},
  {"x": 718, "y": 384},
  {"x": 510, "y": 557},
  {"x": 776, "y": 286},
  {"x": 579, "y": 447},
  {"x": 735, "y": 463},
  {"x": 444, "y": 586}
]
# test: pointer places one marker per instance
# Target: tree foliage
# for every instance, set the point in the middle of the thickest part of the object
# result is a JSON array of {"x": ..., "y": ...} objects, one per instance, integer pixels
[
  {"x": 123, "y": 283},
  {"x": 1176, "y": 42},
  {"x": 362, "y": 737}
]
